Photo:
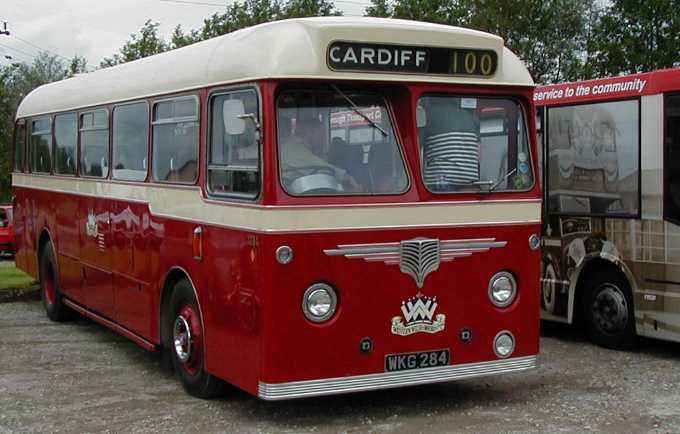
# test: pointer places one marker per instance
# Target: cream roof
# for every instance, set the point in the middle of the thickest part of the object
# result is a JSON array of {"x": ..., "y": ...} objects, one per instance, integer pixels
[{"x": 282, "y": 49}]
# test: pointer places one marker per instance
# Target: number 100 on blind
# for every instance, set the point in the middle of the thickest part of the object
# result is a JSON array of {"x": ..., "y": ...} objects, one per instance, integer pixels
[{"x": 473, "y": 62}]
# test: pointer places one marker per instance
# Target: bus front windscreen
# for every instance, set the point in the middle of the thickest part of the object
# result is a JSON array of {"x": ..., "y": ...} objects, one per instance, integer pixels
[
  {"x": 333, "y": 142},
  {"x": 470, "y": 144}
]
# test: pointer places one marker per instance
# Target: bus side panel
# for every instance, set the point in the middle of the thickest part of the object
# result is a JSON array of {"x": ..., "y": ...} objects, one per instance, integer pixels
[
  {"x": 68, "y": 245},
  {"x": 232, "y": 272},
  {"x": 95, "y": 254},
  {"x": 29, "y": 237},
  {"x": 22, "y": 253},
  {"x": 132, "y": 267},
  {"x": 43, "y": 211}
]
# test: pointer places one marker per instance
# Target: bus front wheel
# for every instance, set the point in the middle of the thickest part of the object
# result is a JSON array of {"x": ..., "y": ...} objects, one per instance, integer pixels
[
  {"x": 608, "y": 311},
  {"x": 186, "y": 344},
  {"x": 49, "y": 286}
]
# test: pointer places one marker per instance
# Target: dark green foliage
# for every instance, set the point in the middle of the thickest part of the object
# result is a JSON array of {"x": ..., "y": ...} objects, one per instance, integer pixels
[
  {"x": 16, "y": 81},
  {"x": 636, "y": 36}
]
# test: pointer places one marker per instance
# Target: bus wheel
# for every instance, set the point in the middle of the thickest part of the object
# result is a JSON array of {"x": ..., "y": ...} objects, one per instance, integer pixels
[
  {"x": 548, "y": 288},
  {"x": 610, "y": 320},
  {"x": 186, "y": 344},
  {"x": 49, "y": 286}
]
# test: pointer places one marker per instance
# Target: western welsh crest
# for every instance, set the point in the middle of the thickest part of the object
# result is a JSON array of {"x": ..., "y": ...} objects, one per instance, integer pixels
[
  {"x": 417, "y": 257},
  {"x": 418, "y": 317},
  {"x": 91, "y": 227}
]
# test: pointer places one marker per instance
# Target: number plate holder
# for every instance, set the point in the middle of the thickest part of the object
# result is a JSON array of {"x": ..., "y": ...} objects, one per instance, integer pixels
[{"x": 417, "y": 360}]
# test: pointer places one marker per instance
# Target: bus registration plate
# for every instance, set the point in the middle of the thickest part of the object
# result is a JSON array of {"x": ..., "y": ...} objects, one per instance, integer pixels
[{"x": 423, "y": 359}]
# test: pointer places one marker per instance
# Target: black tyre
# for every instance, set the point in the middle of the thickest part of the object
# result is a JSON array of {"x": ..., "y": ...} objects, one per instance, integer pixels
[
  {"x": 608, "y": 310},
  {"x": 52, "y": 299},
  {"x": 186, "y": 346},
  {"x": 549, "y": 288}
]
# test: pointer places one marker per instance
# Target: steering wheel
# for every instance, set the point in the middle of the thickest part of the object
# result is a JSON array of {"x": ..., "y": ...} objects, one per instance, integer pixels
[
  {"x": 301, "y": 180},
  {"x": 297, "y": 172}
]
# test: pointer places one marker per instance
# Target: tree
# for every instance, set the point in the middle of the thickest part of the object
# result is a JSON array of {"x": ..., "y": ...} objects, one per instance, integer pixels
[
  {"x": 77, "y": 65},
  {"x": 181, "y": 39},
  {"x": 548, "y": 35},
  {"x": 432, "y": 11},
  {"x": 240, "y": 15},
  {"x": 309, "y": 8},
  {"x": 16, "y": 81},
  {"x": 635, "y": 36},
  {"x": 380, "y": 8},
  {"x": 146, "y": 43}
]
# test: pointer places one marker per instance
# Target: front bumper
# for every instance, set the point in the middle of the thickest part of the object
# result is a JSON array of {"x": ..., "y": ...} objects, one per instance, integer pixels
[{"x": 386, "y": 380}]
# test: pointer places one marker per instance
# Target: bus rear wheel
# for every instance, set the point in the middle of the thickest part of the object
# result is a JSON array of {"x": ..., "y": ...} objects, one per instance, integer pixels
[
  {"x": 608, "y": 311},
  {"x": 49, "y": 286},
  {"x": 186, "y": 344}
]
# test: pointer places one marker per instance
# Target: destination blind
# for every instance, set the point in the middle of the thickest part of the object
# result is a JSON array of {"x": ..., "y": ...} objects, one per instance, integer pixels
[{"x": 358, "y": 56}]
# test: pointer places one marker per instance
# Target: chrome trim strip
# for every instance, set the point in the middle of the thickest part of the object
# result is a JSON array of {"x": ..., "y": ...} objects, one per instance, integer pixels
[
  {"x": 386, "y": 380},
  {"x": 417, "y": 257},
  {"x": 449, "y": 249}
]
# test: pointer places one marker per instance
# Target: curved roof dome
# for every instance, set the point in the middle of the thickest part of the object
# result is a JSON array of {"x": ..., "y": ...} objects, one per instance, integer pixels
[{"x": 282, "y": 49}]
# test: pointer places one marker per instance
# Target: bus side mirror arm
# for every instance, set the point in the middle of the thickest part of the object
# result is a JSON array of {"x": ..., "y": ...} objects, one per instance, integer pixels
[
  {"x": 252, "y": 118},
  {"x": 256, "y": 123}
]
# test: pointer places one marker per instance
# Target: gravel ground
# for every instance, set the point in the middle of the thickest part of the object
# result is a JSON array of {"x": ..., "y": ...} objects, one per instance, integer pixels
[{"x": 80, "y": 377}]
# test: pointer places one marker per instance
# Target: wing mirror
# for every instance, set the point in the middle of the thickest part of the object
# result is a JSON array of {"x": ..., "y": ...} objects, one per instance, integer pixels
[{"x": 234, "y": 116}]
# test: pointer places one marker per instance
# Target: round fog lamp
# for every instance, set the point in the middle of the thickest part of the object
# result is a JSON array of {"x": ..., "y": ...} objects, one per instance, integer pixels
[
  {"x": 284, "y": 255},
  {"x": 502, "y": 289},
  {"x": 319, "y": 302},
  {"x": 504, "y": 344}
]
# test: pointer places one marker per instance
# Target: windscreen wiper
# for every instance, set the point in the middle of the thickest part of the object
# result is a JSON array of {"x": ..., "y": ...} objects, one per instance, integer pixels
[
  {"x": 358, "y": 110},
  {"x": 510, "y": 173}
]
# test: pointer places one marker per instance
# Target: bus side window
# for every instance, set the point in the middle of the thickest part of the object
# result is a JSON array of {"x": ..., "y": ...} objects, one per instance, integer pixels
[
  {"x": 130, "y": 141},
  {"x": 234, "y": 160},
  {"x": 672, "y": 159},
  {"x": 175, "y": 140},
  {"x": 94, "y": 143},
  {"x": 65, "y": 138},
  {"x": 41, "y": 145},
  {"x": 19, "y": 143}
]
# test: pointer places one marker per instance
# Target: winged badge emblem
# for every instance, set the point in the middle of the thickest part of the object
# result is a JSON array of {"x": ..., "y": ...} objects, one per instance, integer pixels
[{"x": 417, "y": 257}]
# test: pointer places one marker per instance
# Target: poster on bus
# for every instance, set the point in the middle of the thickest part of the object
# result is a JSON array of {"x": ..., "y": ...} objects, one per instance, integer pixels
[{"x": 594, "y": 162}]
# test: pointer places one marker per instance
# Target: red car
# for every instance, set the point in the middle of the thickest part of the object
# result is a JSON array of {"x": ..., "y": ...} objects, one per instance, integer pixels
[{"x": 7, "y": 242}]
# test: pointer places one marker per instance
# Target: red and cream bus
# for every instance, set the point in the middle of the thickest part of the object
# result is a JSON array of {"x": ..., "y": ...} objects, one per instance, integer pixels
[
  {"x": 300, "y": 208},
  {"x": 611, "y": 243}
]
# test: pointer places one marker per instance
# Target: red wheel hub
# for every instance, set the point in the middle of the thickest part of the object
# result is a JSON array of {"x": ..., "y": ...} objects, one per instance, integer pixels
[{"x": 188, "y": 339}]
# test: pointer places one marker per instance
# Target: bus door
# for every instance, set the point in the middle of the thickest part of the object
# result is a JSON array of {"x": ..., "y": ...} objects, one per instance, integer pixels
[
  {"x": 130, "y": 266},
  {"x": 95, "y": 254}
]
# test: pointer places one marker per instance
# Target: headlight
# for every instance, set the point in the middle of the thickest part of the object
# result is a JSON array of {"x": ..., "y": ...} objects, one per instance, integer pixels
[
  {"x": 502, "y": 289},
  {"x": 504, "y": 344},
  {"x": 319, "y": 302}
]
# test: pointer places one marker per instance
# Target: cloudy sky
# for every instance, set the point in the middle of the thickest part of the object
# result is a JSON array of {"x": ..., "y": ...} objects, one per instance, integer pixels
[{"x": 98, "y": 28}]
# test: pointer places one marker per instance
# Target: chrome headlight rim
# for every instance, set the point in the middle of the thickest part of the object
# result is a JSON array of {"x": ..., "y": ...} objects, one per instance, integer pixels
[
  {"x": 513, "y": 283},
  {"x": 495, "y": 344},
  {"x": 333, "y": 302}
]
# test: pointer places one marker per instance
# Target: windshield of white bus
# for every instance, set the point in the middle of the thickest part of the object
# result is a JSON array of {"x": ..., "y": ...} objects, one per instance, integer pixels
[
  {"x": 336, "y": 142},
  {"x": 473, "y": 144}
]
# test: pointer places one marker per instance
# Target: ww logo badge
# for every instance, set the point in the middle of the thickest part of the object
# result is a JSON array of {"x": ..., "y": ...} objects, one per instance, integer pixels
[{"x": 418, "y": 317}]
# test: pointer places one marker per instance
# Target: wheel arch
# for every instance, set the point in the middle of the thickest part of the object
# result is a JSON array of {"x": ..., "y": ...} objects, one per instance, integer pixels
[
  {"x": 590, "y": 264},
  {"x": 45, "y": 237},
  {"x": 172, "y": 277}
]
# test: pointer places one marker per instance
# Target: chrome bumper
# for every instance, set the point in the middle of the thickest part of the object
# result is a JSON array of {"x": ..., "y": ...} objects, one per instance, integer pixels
[{"x": 386, "y": 380}]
